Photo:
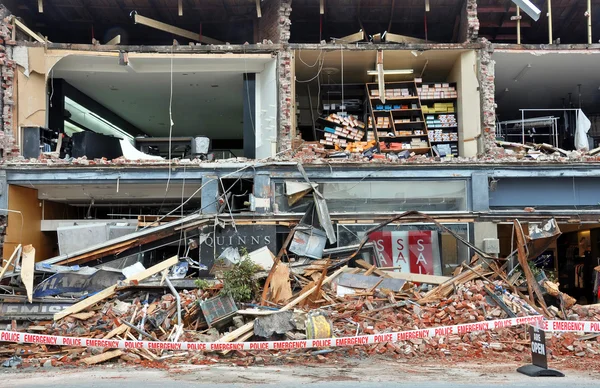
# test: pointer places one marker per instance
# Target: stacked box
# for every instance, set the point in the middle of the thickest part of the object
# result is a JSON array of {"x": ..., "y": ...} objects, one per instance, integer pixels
[
  {"x": 441, "y": 121},
  {"x": 394, "y": 93},
  {"x": 437, "y": 91}
]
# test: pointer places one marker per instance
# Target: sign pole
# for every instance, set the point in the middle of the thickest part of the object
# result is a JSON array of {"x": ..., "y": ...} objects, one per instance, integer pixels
[{"x": 539, "y": 356}]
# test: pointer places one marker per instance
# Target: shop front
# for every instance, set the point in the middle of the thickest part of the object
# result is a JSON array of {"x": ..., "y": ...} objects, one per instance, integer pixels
[{"x": 572, "y": 260}]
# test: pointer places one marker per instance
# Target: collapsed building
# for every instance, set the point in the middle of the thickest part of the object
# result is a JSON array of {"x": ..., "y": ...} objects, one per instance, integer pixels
[{"x": 242, "y": 119}]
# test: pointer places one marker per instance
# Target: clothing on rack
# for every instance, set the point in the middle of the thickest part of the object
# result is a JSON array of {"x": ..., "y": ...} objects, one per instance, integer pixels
[{"x": 579, "y": 276}]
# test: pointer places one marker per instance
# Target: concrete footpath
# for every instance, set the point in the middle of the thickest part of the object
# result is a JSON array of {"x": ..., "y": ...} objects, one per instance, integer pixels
[{"x": 366, "y": 374}]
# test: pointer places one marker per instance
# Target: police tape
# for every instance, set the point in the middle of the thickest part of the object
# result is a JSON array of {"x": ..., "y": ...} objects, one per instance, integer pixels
[
  {"x": 538, "y": 321},
  {"x": 17, "y": 337}
]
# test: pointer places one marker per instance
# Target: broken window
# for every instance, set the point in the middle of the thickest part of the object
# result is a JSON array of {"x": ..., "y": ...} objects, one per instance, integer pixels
[
  {"x": 383, "y": 196},
  {"x": 427, "y": 104},
  {"x": 416, "y": 248},
  {"x": 153, "y": 107}
]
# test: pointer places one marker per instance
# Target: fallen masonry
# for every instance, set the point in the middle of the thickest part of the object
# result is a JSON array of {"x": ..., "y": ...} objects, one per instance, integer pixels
[{"x": 476, "y": 313}]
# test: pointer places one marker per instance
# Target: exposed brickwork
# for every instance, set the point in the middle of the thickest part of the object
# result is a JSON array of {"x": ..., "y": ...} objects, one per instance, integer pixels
[
  {"x": 8, "y": 147},
  {"x": 284, "y": 70},
  {"x": 472, "y": 21},
  {"x": 284, "y": 74},
  {"x": 486, "y": 74},
  {"x": 274, "y": 25}
]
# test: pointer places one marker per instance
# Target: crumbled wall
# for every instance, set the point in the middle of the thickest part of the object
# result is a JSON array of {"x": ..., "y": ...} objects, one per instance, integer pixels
[
  {"x": 284, "y": 69},
  {"x": 472, "y": 20},
  {"x": 284, "y": 75},
  {"x": 274, "y": 25},
  {"x": 486, "y": 74},
  {"x": 8, "y": 147},
  {"x": 469, "y": 22}
]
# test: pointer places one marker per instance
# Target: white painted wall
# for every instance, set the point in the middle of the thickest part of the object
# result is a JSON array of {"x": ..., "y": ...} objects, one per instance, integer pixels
[
  {"x": 464, "y": 73},
  {"x": 266, "y": 111}
]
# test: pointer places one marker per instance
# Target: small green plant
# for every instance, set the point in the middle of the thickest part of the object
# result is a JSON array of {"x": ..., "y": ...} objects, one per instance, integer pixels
[
  {"x": 239, "y": 281},
  {"x": 202, "y": 284}
]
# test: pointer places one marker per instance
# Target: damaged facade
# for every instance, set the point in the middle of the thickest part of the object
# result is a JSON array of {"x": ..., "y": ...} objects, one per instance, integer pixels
[{"x": 134, "y": 134}]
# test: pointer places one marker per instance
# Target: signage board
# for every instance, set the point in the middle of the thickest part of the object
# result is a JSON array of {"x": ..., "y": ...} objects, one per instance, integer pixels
[
  {"x": 539, "y": 356},
  {"x": 414, "y": 251},
  {"x": 251, "y": 237}
]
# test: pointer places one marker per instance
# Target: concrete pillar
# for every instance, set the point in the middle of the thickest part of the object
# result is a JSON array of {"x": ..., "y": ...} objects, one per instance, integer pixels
[
  {"x": 482, "y": 231},
  {"x": 480, "y": 192},
  {"x": 209, "y": 194},
  {"x": 262, "y": 192}
]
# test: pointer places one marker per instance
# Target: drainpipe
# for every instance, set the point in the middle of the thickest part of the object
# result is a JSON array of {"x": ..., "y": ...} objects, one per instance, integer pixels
[
  {"x": 178, "y": 299},
  {"x": 518, "y": 25}
]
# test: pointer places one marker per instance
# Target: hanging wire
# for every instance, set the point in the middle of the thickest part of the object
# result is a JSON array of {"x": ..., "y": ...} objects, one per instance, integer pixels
[{"x": 170, "y": 117}]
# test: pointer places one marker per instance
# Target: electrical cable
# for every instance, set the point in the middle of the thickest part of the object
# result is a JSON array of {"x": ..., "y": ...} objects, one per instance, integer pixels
[
  {"x": 343, "y": 106},
  {"x": 248, "y": 92},
  {"x": 317, "y": 75},
  {"x": 316, "y": 61},
  {"x": 170, "y": 119},
  {"x": 182, "y": 192}
]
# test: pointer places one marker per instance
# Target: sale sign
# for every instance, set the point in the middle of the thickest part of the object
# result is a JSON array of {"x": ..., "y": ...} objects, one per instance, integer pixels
[{"x": 415, "y": 251}]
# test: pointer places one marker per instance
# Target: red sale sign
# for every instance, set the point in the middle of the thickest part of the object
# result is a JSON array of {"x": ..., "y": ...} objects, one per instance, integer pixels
[{"x": 410, "y": 251}]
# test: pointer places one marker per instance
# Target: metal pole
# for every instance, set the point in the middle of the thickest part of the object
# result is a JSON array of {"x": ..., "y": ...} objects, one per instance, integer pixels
[
  {"x": 549, "y": 21},
  {"x": 519, "y": 25},
  {"x": 178, "y": 299},
  {"x": 589, "y": 21}
]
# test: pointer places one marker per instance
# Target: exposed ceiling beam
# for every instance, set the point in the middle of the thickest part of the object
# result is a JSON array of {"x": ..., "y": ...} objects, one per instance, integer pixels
[
  {"x": 139, "y": 19},
  {"x": 494, "y": 9},
  {"x": 506, "y": 24},
  {"x": 566, "y": 21},
  {"x": 507, "y": 7},
  {"x": 28, "y": 31}
]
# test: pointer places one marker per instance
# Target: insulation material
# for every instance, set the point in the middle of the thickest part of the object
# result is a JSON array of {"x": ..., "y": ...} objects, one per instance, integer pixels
[
  {"x": 21, "y": 58},
  {"x": 583, "y": 126},
  {"x": 131, "y": 153}
]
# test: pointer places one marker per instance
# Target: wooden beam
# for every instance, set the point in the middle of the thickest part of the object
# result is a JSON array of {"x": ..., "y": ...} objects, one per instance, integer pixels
[
  {"x": 14, "y": 257},
  {"x": 356, "y": 37},
  {"x": 27, "y": 269},
  {"x": 242, "y": 331},
  {"x": 102, "y": 357},
  {"x": 139, "y": 19},
  {"x": 180, "y": 8},
  {"x": 258, "y": 11},
  {"x": 380, "y": 77},
  {"x": 107, "y": 292},
  {"x": 518, "y": 25},
  {"x": 28, "y": 31},
  {"x": 395, "y": 38},
  {"x": 114, "y": 41},
  {"x": 418, "y": 278}
]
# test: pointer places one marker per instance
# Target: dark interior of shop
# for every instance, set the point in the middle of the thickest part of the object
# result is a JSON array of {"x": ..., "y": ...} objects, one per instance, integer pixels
[
  {"x": 570, "y": 260},
  {"x": 535, "y": 87},
  {"x": 82, "y": 21}
]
